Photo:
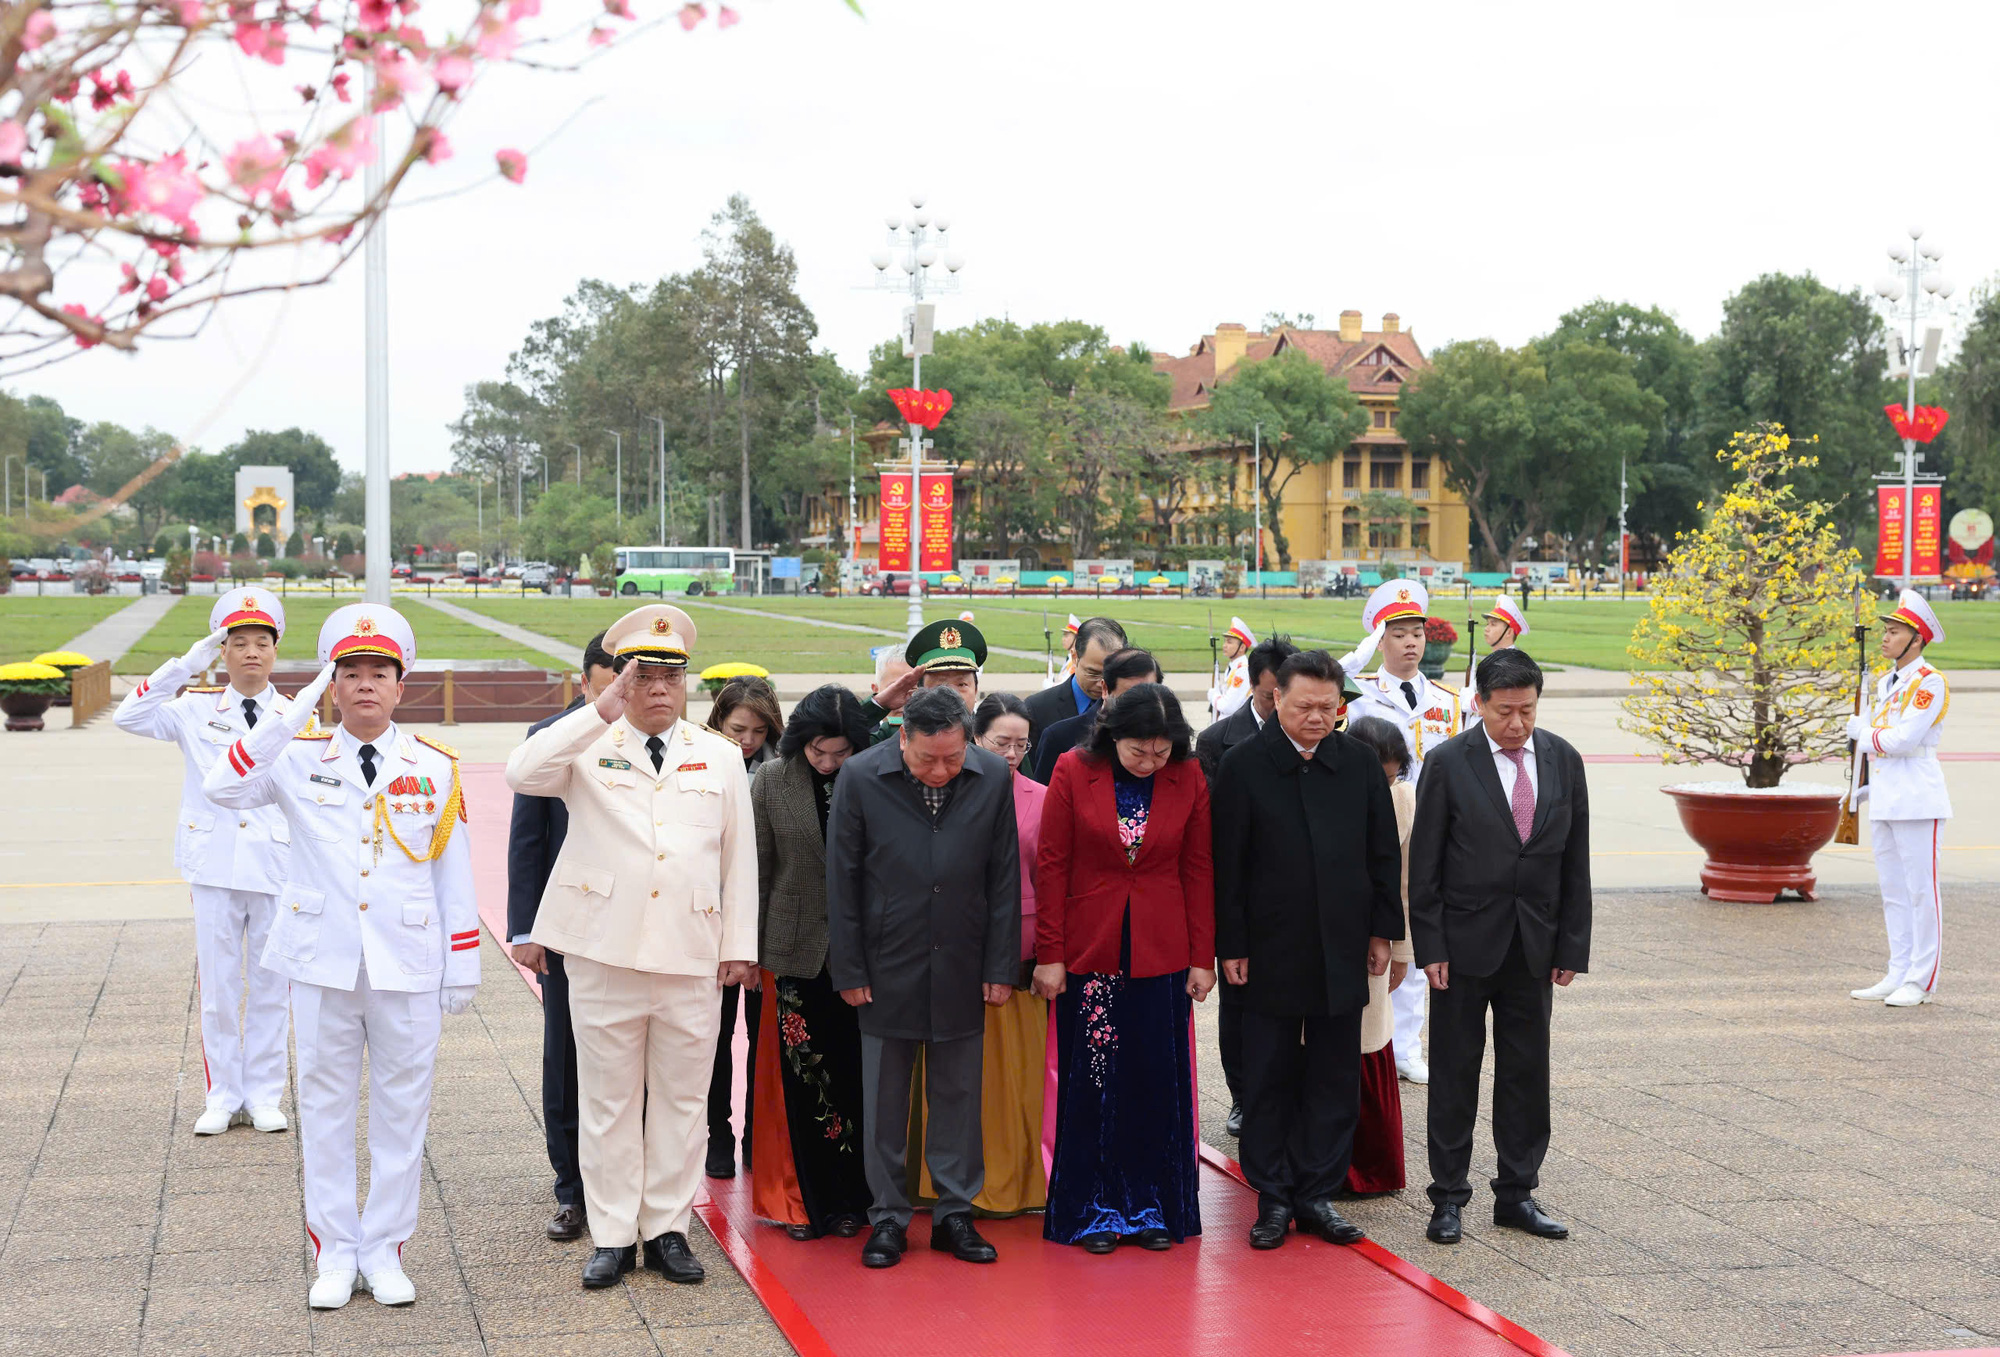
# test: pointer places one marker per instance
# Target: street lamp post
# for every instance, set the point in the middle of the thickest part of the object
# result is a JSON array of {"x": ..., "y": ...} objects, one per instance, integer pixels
[
  {"x": 579, "y": 464},
  {"x": 920, "y": 243},
  {"x": 1917, "y": 273},
  {"x": 1621, "y": 528},
  {"x": 853, "y": 533},
  {"x": 618, "y": 474},
  {"x": 1257, "y": 498},
  {"x": 661, "y": 421},
  {"x": 375, "y": 331}
]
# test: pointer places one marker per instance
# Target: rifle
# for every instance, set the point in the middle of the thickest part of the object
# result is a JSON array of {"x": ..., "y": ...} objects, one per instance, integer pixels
[
  {"x": 1472, "y": 653},
  {"x": 1849, "y": 828},
  {"x": 1048, "y": 649},
  {"x": 1214, "y": 659}
]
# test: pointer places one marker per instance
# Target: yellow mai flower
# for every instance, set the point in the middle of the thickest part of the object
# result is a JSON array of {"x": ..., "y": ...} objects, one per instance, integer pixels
[
  {"x": 63, "y": 657},
  {"x": 730, "y": 669},
  {"x": 28, "y": 670}
]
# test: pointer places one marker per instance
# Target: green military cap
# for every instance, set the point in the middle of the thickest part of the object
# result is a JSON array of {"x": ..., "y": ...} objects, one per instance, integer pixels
[{"x": 947, "y": 645}]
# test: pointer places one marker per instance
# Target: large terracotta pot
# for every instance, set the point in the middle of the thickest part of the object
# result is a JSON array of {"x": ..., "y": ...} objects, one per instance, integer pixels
[
  {"x": 24, "y": 710},
  {"x": 1760, "y": 844}
]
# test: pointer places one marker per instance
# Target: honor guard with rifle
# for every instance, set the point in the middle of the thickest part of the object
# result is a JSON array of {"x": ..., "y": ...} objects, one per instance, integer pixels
[{"x": 1899, "y": 777}]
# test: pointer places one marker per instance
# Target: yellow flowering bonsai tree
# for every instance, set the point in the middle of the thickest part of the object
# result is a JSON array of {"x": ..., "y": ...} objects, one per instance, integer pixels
[{"x": 1746, "y": 651}]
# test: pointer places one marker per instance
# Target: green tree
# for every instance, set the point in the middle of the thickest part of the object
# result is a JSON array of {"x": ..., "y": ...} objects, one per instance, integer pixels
[
  {"x": 1307, "y": 417},
  {"x": 295, "y": 545},
  {"x": 1969, "y": 450},
  {"x": 1795, "y": 352},
  {"x": 343, "y": 545},
  {"x": 265, "y": 546},
  {"x": 136, "y": 468},
  {"x": 567, "y": 522},
  {"x": 203, "y": 491}
]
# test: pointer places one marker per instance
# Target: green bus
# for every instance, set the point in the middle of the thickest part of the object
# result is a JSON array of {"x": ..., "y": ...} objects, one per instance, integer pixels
[{"x": 676, "y": 570}]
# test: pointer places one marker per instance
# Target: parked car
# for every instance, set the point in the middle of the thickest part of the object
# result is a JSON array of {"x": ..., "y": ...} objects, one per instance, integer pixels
[
  {"x": 400, "y": 570},
  {"x": 538, "y": 575}
]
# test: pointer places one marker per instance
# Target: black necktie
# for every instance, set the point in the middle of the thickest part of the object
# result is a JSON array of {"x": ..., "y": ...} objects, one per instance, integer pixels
[
  {"x": 368, "y": 764},
  {"x": 1895, "y": 676},
  {"x": 657, "y": 748},
  {"x": 250, "y": 711},
  {"x": 1410, "y": 694}
]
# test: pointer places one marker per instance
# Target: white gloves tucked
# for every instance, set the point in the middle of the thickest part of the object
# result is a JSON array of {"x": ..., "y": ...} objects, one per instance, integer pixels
[{"x": 457, "y": 998}]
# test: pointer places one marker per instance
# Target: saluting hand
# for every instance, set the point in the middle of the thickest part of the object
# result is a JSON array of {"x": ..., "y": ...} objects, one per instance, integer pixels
[
  {"x": 307, "y": 702},
  {"x": 611, "y": 702},
  {"x": 896, "y": 694},
  {"x": 202, "y": 653}
]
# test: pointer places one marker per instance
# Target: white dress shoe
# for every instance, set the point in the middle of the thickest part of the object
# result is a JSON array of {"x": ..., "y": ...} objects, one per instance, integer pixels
[
  {"x": 1414, "y": 1069},
  {"x": 1881, "y": 989},
  {"x": 1909, "y": 995},
  {"x": 391, "y": 1287},
  {"x": 332, "y": 1289},
  {"x": 213, "y": 1122},
  {"x": 269, "y": 1119}
]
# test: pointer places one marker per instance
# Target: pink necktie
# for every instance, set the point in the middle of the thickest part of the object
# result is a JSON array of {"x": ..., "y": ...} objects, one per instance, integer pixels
[{"x": 1524, "y": 793}]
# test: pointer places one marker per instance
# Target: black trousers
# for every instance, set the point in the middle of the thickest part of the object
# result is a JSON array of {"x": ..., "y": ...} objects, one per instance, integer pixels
[
  {"x": 1301, "y": 1102},
  {"x": 1520, "y": 1001},
  {"x": 559, "y": 1101},
  {"x": 722, "y": 1081},
  {"x": 1229, "y": 1037}
]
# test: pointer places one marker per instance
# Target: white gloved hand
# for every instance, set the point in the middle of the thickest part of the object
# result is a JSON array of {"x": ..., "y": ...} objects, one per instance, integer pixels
[
  {"x": 1366, "y": 650},
  {"x": 203, "y": 653},
  {"x": 1857, "y": 728},
  {"x": 307, "y": 702},
  {"x": 457, "y": 998}
]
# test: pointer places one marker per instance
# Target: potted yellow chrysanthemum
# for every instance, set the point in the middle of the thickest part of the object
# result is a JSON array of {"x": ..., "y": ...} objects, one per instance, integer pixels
[
  {"x": 27, "y": 689},
  {"x": 68, "y": 661},
  {"x": 713, "y": 677},
  {"x": 1746, "y": 660}
]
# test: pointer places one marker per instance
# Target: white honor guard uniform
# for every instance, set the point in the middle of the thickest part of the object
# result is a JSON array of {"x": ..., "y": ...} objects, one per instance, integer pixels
[
  {"x": 1233, "y": 689},
  {"x": 234, "y": 863},
  {"x": 1907, "y": 807},
  {"x": 1507, "y": 612},
  {"x": 1061, "y": 675},
  {"x": 1428, "y": 713},
  {"x": 655, "y": 887},
  {"x": 378, "y": 931}
]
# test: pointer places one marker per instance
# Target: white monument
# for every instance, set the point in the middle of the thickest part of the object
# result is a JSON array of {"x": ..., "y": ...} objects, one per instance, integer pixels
[{"x": 264, "y": 504}]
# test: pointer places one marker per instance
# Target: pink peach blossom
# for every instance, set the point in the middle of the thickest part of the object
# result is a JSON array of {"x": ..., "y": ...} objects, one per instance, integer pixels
[
  {"x": 265, "y": 41},
  {"x": 523, "y": 9},
  {"x": 255, "y": 165},
  {"x": 156, "y": 288},
  {"x": 41, "y": 26},
  {"x": 453, "y": 72},
  {"x": 82, "y": 312},
  {"x": 376, "y": 15},
  {"x": 191, "y": 13},
  {"x": 691, "y": 15},
  {"x": 621, "y": 8},
  {"x": 166, "y": 188},
  {"x": 339, "y": 82},
  {"x": 346, "y": 149},
  {"x": 497, "y": 39},
  {"x": 13, "y": 143},
  {"x": 513, "y": 165},
  {"x": 438, "y": 149},
  {"x": 600, "y": 37},
  {"x": 396, "y": 78},
  {"x": 726, "y": 17}
]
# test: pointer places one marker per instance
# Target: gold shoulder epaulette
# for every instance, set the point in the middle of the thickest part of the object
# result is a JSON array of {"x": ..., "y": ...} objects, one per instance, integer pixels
[
  {"x": 216, "y": 689},
  {"x": 314, "y": 735},
  {"x": 1439, "y": 683},
  {"x": 443, "y": 749}
]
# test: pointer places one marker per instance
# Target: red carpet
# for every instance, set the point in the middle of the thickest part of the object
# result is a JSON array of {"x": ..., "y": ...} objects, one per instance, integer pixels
[{"x": 1210, "y": 1295}]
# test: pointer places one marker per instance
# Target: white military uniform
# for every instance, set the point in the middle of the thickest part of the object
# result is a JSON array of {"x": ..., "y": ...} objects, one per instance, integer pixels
[
  {"x": 1233, "y": 689},
  {"x": 1908, "y": 804},
  {"x": 233, "y": 861},
  {"x": 655, "y": 887},
  {"x": 1062, "y": 675},
  {"x": 1428, "y": 713},
  {"x": 379, "y": 917}
]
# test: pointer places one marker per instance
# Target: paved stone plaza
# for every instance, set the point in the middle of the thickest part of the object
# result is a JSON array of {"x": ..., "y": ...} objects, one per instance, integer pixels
[{"x": 1750, "y": 1161}]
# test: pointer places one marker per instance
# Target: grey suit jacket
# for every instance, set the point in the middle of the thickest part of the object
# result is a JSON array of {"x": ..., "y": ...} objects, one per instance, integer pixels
[
  {"x": 923, "y": 912},
  {"x": 791, "y": 870}
]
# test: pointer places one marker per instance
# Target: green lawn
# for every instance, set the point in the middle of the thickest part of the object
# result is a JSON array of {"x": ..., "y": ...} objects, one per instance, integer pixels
[
  {"x": 30, "y": 626},
  {"x": 438, "y": 636}
]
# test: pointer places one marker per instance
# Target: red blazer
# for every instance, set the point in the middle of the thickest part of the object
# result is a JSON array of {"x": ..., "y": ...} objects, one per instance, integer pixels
[{"x": 1083, "y": 883}]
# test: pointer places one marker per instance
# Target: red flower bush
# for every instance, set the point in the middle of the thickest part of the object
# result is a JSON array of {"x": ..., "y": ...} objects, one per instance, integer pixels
[{"x": 1437, "y": 631}]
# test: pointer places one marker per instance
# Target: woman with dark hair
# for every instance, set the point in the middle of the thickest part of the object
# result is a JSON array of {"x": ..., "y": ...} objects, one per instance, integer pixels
[
  {"x": 1377, "y": 1164},
  {"x": 746, "y": 710},
  {"x": 807, "y": 1165},
  {"x": 1127, "y": 668},
  {"x": 1125, "y": 937}
]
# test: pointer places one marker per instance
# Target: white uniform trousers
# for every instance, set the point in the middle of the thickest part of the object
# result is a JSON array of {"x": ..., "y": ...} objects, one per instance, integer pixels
[
  {"x": 244, "y": 1067},
  {"x": 1906, "y": 860},
  {"x": 400, "y": 1033},
  {"x": 645, "y": 1044},
  {"x": 1407, "y": 1001}
]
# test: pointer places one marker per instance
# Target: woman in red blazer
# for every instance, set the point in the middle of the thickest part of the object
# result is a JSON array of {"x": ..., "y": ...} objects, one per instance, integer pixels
[{"x": 1124, "y": 939}]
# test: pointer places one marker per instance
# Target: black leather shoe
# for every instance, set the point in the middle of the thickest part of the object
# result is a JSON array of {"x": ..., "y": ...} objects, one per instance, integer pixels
[
  {"x": 1321, "y": 1219},
  {"x": 799, "y": 1232},
  {"x": 670, "y": 1256},
  {"x": 1528, "y": 1215},
  {"x": 1234, "y": 1126},
  {"x": 721, "y": 1158},
  {"x": 567, "y": 1223},
  {"x": 954, "y": 1235},
  {"x": 847, "y": 1226},
  {"x": 606, "y": 1266},
  {"x": 1102, "y": 1242},
  {"x": 1273, "y": 1219},
  {"x": 1445, "y": 1227},
  {"x": 885, "y": 1245},
  {"x": 1157, "y": 1241}
]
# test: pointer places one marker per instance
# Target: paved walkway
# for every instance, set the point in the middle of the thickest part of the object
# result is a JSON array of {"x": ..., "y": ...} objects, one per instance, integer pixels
[
  {"x": 896, "y": 635},
  {"x": 118, "y": 633},
  {"x": 569, "y": 655}
]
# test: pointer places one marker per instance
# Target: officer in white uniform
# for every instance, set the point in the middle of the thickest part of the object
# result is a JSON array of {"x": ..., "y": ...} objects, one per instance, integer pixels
[
  {"x": 378, "y": 931},
  {"x": 653, "y": 905},
  {"x": 1501, "y": 629},
  {"x": 1232, "y": 690},
  {"x": 1428, "y": 713},
  {"x": 234, "y": 862},
  {"x": 1062, "y": 675},
  {"x": 1907, "y": 803}
]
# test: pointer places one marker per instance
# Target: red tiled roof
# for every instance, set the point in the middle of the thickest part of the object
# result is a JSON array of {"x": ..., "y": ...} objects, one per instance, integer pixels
[{"x": 1194, "y": 375}]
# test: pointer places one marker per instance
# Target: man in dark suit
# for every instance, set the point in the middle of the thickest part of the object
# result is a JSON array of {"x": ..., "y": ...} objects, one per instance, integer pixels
[
  {"x": 1218, "y": 739},
  {"x": 1308, "y": 897},
  {"x": 1500, "y": 914},
  {"x": 1096, "y": 640},
  {"x": 923, "y": 897},
  {"x": 534, "y": 838},
  {"x": 1126, "y": 668}
]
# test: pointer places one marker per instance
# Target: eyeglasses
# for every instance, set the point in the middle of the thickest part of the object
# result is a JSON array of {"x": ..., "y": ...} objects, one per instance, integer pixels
[{"x": 1010, "y": 746}]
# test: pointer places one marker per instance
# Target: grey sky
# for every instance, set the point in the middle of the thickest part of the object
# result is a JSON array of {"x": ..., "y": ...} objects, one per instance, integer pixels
[{"x": 1154, "y": 166}]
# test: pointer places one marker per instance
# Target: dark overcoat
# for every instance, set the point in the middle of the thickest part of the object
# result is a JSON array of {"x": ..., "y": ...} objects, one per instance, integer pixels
[{"x": 923, "y": 912}]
